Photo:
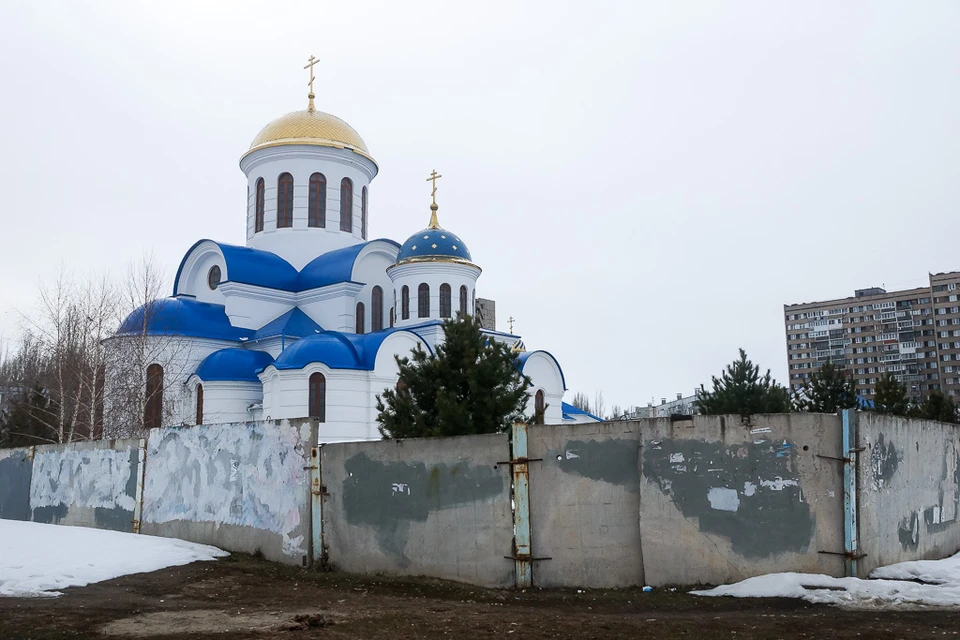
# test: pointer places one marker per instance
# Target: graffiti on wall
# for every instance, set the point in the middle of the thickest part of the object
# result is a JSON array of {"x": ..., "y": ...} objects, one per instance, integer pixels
[
  {"x": 103, "y": 480},
  {"x": 749, "y": 493},
  {"x": 248, "y": 475}
]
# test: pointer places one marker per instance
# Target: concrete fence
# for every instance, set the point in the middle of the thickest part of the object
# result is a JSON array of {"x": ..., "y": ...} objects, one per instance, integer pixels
[{"x": 708, "y": 499}]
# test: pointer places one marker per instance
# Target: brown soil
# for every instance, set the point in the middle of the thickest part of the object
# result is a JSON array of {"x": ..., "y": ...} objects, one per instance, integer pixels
[{"x": 244, "y": 597}]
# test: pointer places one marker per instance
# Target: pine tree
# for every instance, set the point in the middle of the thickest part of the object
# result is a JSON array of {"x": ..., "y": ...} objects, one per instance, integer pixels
[
  {"x": 937, "y": 406},
  {"x": 828, "y": 390},
  {"x": 891, "y": 397},
  {"x": 471, "y": 385},
  {"x": 742, "y": 389}
]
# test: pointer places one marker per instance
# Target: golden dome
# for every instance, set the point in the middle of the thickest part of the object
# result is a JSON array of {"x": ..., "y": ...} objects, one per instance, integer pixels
[{"x": 310, "y": 127}]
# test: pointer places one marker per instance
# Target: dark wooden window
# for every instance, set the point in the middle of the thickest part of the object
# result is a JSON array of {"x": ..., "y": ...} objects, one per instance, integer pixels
[
  {"x": 258, "y": 215},
  {"x": 346, "y": 205},
  {"x": 363, "y": 213},
  {"x": 463, "y": 301},
  {"x": 284, "y": 201},
  {"x": 445, "y": 300},
  {"x": 317, "y": 207},
  {"x": 405, "y": 303},
  {"x": 539, "y": 407},
  {"x": 153, "y": 407},
  {"x": 423, "y": 300},
  {"x": 376, "y": 309},
  {"x": 199, "y": 404},
  {"x": 360, "y": 319},
  {"x": 318, "y": 397}
]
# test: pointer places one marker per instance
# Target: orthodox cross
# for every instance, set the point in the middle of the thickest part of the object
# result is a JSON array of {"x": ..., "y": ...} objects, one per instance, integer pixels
[
  {"x": 511, "y": 323},
  {"x": 309, "y": 66},
  {"x": 433, "y": 178}
]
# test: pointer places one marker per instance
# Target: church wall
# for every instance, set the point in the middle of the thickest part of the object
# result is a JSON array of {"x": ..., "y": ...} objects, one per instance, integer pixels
[
  {"x": 544, "y": 374},
  {"x": 228, "y": 401},
  {"x": 252, "y": 307},
  {"x": 300, "y": 243},
  {"x": 434, "y": 274}
]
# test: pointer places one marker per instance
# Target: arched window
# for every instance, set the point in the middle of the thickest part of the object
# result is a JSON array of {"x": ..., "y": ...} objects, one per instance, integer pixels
[
  {"x": 363, "y": 213},
  {"x": 392, "y": 316},
  {"x": 361, "y": 321},
  {"x": 405, "y": 303},
  {"x": 318, "y": 397},
  {"x": 376, "y": 310},
  {"x": 284, "y": 201},
  {"x": 423, "y": 300},
  {"x": 539, "y": 407},
  {"x": 317, "y": 207},
  {"x": 463, "y": 300},
  {"x": 346, "y": 205},
  {"x": 258, "y": 215},
  {"x": 153, "y": 407},
  {"x": 445, "y": 300},
  {"x": 199, "y": 404}
]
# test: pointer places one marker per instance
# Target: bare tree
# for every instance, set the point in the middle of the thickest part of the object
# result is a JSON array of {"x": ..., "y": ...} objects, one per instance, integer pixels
[
  {"x": 581, "y": 401},
  {"x": 599, "y": 406}
]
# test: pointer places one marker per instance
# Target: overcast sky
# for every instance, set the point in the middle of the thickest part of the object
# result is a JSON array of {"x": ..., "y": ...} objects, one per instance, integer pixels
[{"x": 644, "y": 184}]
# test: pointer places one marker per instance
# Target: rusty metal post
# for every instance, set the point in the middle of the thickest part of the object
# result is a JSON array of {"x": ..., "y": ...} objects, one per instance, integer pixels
[
  {"x": 521, "y": 511},
  {"x": 316, "y": 508},
  {"x": 850, "y": 541},
  {"x": 141, "y": 478}
]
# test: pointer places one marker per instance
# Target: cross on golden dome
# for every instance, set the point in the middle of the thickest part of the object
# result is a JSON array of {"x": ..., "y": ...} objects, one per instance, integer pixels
[
  {"x": 309, "y": 66},
  {"x": 434, "y": 223}
]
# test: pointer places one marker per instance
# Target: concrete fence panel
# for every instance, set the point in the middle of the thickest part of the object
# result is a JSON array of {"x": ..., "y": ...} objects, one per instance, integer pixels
[
  {"x": 909, "y": 490},
  {"x": 585, "y": 504},
  {"x": 242, "y": 487},
  {"x": 436, "y": 507},
  {"x": 16, "y": 469},
  {"x": 722, "y": 500},
  {"x": 87, "y": 484}
]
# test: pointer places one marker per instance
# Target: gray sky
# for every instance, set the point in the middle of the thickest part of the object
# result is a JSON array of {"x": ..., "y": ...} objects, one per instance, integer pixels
[{"x": 644, "y": 184}]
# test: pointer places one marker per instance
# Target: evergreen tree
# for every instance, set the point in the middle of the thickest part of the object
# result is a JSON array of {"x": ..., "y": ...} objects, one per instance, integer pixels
[
  {"x": 828, "y": 390},
  {"x": 471, "y": 385},
  {"x": 937, "y": 406},
  {"x": 24, "y": 422},
  {"x": 741, "y": 389},
  {"x": 891, "y": 397}
]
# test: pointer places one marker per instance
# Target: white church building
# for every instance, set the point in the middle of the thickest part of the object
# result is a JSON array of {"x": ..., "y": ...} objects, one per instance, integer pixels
[{"x": 306, "y": 319}]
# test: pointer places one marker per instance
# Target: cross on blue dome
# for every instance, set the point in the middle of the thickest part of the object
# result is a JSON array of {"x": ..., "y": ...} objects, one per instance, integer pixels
[{"x": 434, "y": 243}]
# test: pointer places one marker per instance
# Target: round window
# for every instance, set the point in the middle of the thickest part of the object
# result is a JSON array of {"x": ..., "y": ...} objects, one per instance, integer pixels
[{"x": 213, "y": 278}]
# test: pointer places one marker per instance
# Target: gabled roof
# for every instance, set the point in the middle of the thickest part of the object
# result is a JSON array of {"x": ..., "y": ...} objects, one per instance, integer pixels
[
  {"x": 293, "y": 324},
  {"x": 569, "y": 410},
  {"x": 182, "y": 317},
  {"x": 240, "y": 365}
]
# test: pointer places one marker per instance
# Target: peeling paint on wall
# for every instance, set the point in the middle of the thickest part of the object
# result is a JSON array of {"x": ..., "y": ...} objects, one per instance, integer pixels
[
  {"x": 387, "y": 496},
  {"x": 101, "y": 479},
  {"x": 884, "y": 461},
  {"x": 749, "y": 493},
  {"x": 248, "y": 474}
]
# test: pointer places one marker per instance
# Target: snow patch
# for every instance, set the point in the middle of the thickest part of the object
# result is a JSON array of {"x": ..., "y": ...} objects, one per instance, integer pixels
[{"x": 36, "y": 560}]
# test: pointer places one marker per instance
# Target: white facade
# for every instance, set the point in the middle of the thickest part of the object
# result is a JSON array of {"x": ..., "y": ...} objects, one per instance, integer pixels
[{"x": 247, "y": 327}]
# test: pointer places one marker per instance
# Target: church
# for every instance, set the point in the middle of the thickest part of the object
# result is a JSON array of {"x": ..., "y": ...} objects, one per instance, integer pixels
[{"x": 307, "y": 318}]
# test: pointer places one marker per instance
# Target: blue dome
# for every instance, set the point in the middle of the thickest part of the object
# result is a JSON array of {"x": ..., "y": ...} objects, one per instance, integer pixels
[
  {"x": 434, "y": 243},
  {"x": 233, "y": 364},
  {"x": 182, "y": 317}
]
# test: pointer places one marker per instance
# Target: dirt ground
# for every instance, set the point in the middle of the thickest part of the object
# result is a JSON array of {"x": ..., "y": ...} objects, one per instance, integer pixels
[{"x": 245, "y": 597}]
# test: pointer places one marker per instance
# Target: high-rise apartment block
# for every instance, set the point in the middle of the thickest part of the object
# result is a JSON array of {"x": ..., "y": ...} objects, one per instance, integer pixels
[{"x": 913, "y": 334}]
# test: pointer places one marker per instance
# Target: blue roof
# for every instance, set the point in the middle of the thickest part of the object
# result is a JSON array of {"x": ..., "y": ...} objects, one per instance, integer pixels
[
  {"x": 182, "y": 317},
  {"x": 434, "y": 243},
  {"x": 293, "y": 324},
  {"x": 234, "y": 364},
  {"x": 570, "y": 410},
  {"x": 251, "y": 266},
  {"x": 522, "y": 362},
  {"x": 864, "y": 403},
  {"x": 332, "y": 267},
  {"x": 336, "y": 350}
]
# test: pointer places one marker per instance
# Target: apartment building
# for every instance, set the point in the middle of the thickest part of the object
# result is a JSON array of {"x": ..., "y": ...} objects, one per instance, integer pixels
[{"x": 913, "y": 334}]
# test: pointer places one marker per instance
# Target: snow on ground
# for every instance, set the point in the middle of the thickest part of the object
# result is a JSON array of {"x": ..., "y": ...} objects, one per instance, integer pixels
[
  {"x": 893, "y": 585},
  {"x": 37, "y": 559}
]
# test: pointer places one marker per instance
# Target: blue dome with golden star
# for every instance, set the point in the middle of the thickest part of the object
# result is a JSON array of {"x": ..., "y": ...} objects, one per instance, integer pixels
[{"x": 434, "y": 243}]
